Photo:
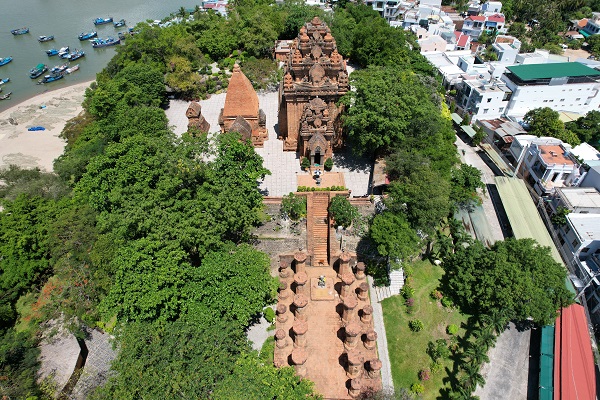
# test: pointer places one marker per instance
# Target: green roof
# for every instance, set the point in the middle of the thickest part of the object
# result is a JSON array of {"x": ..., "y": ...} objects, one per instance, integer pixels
[
  {"x": 456, "y": 118},
  {"x": 546, "y": 363},
  {"x": 552, "y": 70},
  {"x": 468, "y": 130}
]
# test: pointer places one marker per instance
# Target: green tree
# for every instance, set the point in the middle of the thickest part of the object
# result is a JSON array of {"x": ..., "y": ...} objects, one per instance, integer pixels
[
  {"x": 545, "y": 122},
  {"x": 393, "y": 236},
  {"x": 587, "y": 128},
  {"x": 559, "y": 218},
  {"x": 465, "y": 181},
  {"x": 342, "y": 211}
]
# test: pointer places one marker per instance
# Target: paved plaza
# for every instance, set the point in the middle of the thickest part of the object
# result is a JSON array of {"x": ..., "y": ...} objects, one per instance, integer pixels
[{"x": 284, "y": 166}]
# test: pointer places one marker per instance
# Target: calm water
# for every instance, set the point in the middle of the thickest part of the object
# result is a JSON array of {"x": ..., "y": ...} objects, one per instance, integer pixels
[{"x": 65, "y": 19}]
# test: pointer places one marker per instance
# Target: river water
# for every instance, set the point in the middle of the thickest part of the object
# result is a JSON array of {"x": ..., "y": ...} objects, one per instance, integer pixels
[{"x": 65, "y": 19}]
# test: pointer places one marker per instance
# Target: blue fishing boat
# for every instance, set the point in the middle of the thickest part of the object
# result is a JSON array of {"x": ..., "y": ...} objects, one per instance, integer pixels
[
  {"x": 52, "y": 52},
  {"x": 42, "y": 38},
  {"x": 51, "y": 78},
  {"x": 72, "y": 69},
  {"x": 5, "y": 80},
  {"x": 59, "y": 68},
  {"x": 20, "y": 31},
  {"x": 76, "y": 55},
  {"x": 5, "y": 60},
  {"x": 98, "y": 43},
  {"x": 88, "y": 35},
  {"x": 37, "y": 70},
  {"x": 119, "y": 23},
  {"x": 36, "y": 128},
  {"x": 102, "y": 21}
]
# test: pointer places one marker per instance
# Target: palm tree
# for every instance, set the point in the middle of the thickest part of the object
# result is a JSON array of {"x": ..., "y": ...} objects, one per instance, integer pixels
[
  {"x": 181, "y": 13},
  {"x": 476, "y": 354},
  {"x": 497, "y": 320},
  {"x": 486, "y": 338},
  {"x": 471, "y": 377}
]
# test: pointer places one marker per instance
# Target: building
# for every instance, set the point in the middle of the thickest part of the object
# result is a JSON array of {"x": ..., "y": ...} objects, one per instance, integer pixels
[
  {"x": 495, "y": 22},
  {"x": 473, "y": 26},
  {"x": 592, "y": 27},
  {"x": 506, "y": 48},
  {"x": 241, "y": 112},
  {"x": 582, "y": 200},
  {"x": 587, "y": 153},
  {"x": 387, "y": 9},
  {"x": 315, "y": 77},
  {"x": 491, "y": 7},
  {"x": 502, "y": 131},
  {"x": 483, "y": 99},
  {"x": 592, "y": 178}
]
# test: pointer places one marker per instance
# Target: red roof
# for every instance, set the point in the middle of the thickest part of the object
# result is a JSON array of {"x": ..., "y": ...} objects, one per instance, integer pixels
[
  {"x": 574, "y": 376},
  {"x": 476, "y": 18},
  {"x": 496, "y": 18},
  {"x": 457, "y": 34},
  {"x": 462, "y": 41}
]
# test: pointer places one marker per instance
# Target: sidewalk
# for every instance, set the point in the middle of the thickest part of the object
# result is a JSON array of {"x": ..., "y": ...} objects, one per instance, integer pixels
[{"x": 382, "y": 346}]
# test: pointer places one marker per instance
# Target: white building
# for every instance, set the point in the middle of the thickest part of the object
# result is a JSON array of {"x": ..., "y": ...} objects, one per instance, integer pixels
[
  {"x": 491, "y": 7},
  {"x": 473, "y": 26},
  {"x": 593, "y": 25},
  {"x": 587, "y": 153},
  {"x": 580, "y": 200},
  {"x": 592, "y": 178}
]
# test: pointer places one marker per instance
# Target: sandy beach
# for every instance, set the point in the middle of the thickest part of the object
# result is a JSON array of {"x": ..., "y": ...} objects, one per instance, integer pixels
[{"x": 50, "y": 110}]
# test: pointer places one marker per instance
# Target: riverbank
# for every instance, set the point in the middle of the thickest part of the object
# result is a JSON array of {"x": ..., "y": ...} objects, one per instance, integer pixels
[{"x": 38, "y": 148}]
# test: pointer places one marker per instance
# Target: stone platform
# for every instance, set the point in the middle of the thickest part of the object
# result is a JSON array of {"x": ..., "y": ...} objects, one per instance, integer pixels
[{"x": 328, "y": 179}]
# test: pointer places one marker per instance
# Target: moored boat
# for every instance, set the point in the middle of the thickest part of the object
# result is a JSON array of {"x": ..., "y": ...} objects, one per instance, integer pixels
[
  {"x": 72, "y": 69},
  {"x": 76, "y": 55},
  {"x": 51, "y": 78},
  {"x": 5, "y": 96},
  {"x": 119, "y": 23},
  {"x": 102, "y": 21},
  {"x": 64, "y": 52},
  {"x": 51, "y": 52},
  {"x": 37, "y": 70},
  {"x": 88, "y": 35},
  {"x": 98, "y": 43},
  {"x": 59, "y": 68},
  {"x": 36, "y": 128},
  {"x": 45, "y": 38},
  {"x": 5, "y": 80},
  {"x": 5, "y": 60},
  {"x": 20, "y": 31}
]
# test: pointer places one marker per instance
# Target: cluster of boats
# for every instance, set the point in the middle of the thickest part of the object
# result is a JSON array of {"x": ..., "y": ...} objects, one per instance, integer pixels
[
  {"x": 56, "y": 73},
  {"x": 7, "y": 95},
  {"x": 65, "y": 53}
]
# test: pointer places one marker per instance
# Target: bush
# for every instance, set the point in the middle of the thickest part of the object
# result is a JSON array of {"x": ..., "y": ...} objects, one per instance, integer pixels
[
  {"x": 438, "y": 349},
  {"x": 435, "y": 367},
  {"x": 415, "y": 325},
  {"x": 436, "y": 294},
  {"x": 269, "y": 314},
  {"x": 342, "y": 211},
  {"x": 407, "y": 291},
  {"x": 424, "y": 374},
  {"x": 417, "y": 388},
  {"x": 293, "y": 206},
  {"x": 446, "y": 302},
  {"x": 305, "y": 163},
  {"x": 408, "y": 271},
  {"x": 328, "y": 164},
  {"x": 410, "y": 302},
  {"x": 452, "y": 329},
  {"x": 321, "y": 189}
]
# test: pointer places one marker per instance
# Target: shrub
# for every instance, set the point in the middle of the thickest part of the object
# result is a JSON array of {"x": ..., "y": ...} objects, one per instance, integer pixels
[
  {"x": 342, "y": 211},
  {"x": 269, "y": 314},
  {"x": 446, "y": 302},
  {"x": 435, "y": 367},
  {"x": 415, "y": 325},
  {"x": 417, "y": 388},
  {"x": 436, "y": 294},
  {"x": 321, "y": 189},
  {"x": 408, "y": 271},
  {"x": 407, "y": 291},
  {"x": 328, "y": 164},
  {"x": 452, "y": 329},
  {"x": 424, "y": 374},
  {"x": 438, "y": 349},
  {"x": 293, "y": 206},
  {"x": 305, "y": 163},
  {"x": 410, "y": 302}
]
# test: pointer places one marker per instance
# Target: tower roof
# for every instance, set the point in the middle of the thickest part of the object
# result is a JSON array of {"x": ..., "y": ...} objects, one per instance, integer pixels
[{"x": 241, "y": 98}]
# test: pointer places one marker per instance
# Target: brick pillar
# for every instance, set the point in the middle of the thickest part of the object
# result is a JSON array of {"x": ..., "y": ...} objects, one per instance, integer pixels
[
  {"x": 363, "y": 291},
  {"x": 355, "y": 364},
  {"x": 299, "y": 357},
  {"x": 350, "y": 303},
  {"x": 347, "y": 281},
  {"x": 284, "y": 293},
  {"x": 360, "y": 271},
  {"x": 281, "y": 339},
  {"x": 353, "y": 332},
  {"x": 374, "y": 368},
  {"x": 344, "y": 264},
  {"x": 300, "y": 258},
  {"x": 300, "y": 328},
  {"x": 280, "y": 361},
  {"x": 284, "y": 270},
  {"x": 355, "y": 388},
  {"x": 282, "y": 314},
  {"x": 370, "y": 340},
  {"x": 301, "y": 278},
  {"x": 300, "y": 301},
  {"x": 367, "y": 314}
]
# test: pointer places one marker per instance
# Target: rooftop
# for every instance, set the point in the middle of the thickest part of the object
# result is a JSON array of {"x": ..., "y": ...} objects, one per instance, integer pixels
[
  {"x": 552, "y": 70},
  {"x": 580, "y": 197},
  {"x": 241, "y": 99},
  {"x": 586, "y": 152},
  {"x": 587, "y": 226},
  {"x": 554, "y": 154}
]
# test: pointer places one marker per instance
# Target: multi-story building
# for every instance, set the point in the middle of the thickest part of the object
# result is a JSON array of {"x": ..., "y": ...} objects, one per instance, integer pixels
[
  {"x": 473, "y": 26},
  {"x": 491, "y": 7},
  {"x": 388, "y": 9},
  {"x": 582, "y": 200},
  {"x": 483, "y": 99},
  {"x": 592, "y": 27}
]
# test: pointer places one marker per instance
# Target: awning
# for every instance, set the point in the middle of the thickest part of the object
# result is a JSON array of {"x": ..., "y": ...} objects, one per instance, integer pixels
[
  {"x": 456, "y": 118},
  {"x": 584, "y": 33},
  {"x": 468, "y": 130}
]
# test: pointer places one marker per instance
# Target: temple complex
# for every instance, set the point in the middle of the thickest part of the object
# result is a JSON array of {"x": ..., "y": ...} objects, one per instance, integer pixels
[
  {"x": 195, "y": 118},
  {"x": 315, "y": 77},
  {"x": 241, "y": 112}
]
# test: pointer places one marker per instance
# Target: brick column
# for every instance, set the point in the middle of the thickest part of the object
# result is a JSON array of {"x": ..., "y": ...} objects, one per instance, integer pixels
[
  {"x": 299, "y": 357},
  {"x": 282, "y": 315},
  {"x": 284, "y": 293},
  {"x": 284, "y": 270},
  {"x": 367, "y": 314},
  {"x": 281, "y": 339},
  {"x": 350, "y": 303},
  {"x": 360, "y": 271},
  {"x": 370, "y": 340},
  {"x": 355, "y": 364},
  {"x": 374, "y": 368},
  {"x": 300, "y": 301},
  {"x": 363, "y": 291},
  {"x": 347, "y": 281},
  {"x": 280, "y": 361},
  {"x": 300, "y": 258},
  {"x": 353, "y": 332},
  {"x": 355, "y": 388},
  {"x": 344, "y": 264},
  {"x": 300, "y": 279},
  {"x": 300, "y": 328}
]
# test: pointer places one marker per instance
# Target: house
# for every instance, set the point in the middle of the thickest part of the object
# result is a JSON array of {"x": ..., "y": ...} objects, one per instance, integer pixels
[
  {"x": 587, "y": 153},
  {"x": 387, "y": 9},
  {"x": 592, "y": 178},
  {"x": 463, "y": 41},
  {"x": 474, "y": 7},
  {"x": 432, "y": 43},
  {"x": 491, "y": 7},
  {"x": 495, "y": 22},
  {"x": 483, "y": 99},
  {"x": 592, "y": 27},
  {"x": 502, "y": 131},
  {"x": 580, "y": 200},
  {"x": 473, "y": 26}
]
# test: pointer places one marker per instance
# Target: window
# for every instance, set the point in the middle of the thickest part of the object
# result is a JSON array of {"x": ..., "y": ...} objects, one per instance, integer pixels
[
  {"x": 567, "y": 229},
  {"x": 575, "y": 243},
  {"x": 562, "y": 99},
  {"x": 545, "y": 101},
  {"x": 579, "y": 98},
  {"x": 554, "y": 176},
  {"x": 565, "y": 176},
  {"x": 485, "y": 110},
  {"x": 585, "y": 249},
  {"x": 552, "y": 101},
  {"x": 561, "y": 240},
  {"x": 501, "y": 109}
]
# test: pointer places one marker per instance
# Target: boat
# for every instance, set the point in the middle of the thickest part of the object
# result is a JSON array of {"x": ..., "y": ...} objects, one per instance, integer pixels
[
  {"x": 51, "y": 78},
  {"x": 37, "y": 70},
  {"x": 98, "y": 43},
  {"x": 59, "y": 68},
  {"x": 45, "y": 38},
  {"x": 102, "y": 21},
  {"x": 51, "y": 52},
  {"x": 36, "y": 128},
  {"x": 119, "y": 23},
  {"x": 72, "y": 69},
  {"x": 122, "y": 35},
  {"x": 5, "y": 96},
  {"x": 20, "y": 31},
  {"x": 64, "y": 52},
  {"x": 88, "y": 35},
  {"x": 76, "y": 55},
  {"x": 5, "y": 80},
  {"x": 5, "y": 60}
]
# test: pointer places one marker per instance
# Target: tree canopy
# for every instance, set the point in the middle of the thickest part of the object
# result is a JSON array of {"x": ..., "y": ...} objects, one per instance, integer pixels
[{"x": 545, "y": 122}]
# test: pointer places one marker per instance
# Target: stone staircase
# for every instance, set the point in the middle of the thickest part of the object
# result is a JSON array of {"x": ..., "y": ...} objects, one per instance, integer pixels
[
  {"x": 396, "y": 284},
  {"x": 319, "y": 218}
]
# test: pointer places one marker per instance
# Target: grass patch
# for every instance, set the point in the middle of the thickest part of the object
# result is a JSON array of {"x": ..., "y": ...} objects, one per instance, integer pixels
[
  {"x": 407, "y": 349},
  {"x": 267, "y": 351}
]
